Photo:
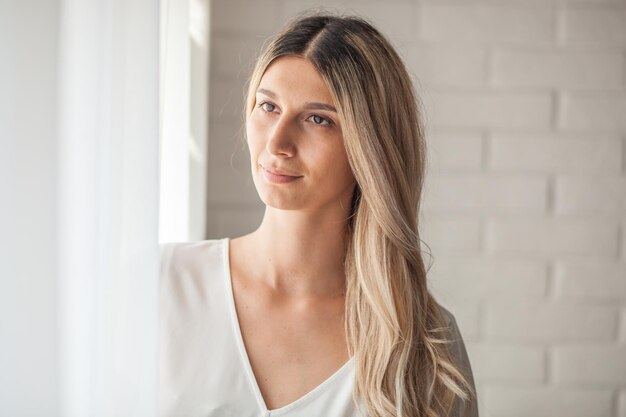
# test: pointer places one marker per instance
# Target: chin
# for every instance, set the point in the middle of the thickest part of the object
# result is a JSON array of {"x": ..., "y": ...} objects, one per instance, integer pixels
[{"x": 279, "y": 202}]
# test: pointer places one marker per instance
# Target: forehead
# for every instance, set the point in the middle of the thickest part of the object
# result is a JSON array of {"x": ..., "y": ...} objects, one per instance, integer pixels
[{"x": 295, "y": 78}]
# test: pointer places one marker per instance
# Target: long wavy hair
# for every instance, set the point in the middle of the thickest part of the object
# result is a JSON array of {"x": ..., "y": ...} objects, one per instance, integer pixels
[{"x": 395, "y": 329}]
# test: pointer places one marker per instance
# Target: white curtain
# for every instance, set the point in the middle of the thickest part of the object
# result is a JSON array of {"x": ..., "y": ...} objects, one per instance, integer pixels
[
  {"x": 86, "y": 100},
  {"x": 29, "y": 367},
  {"x": 108, "y": 193}
]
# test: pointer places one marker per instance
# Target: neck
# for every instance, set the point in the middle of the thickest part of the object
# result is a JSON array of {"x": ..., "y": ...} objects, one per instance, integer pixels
[{"x": 300, "y": 255}]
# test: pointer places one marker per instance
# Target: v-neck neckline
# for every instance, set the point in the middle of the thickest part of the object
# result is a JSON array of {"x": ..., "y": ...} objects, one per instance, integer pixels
[{"x": 312, "y": 394}]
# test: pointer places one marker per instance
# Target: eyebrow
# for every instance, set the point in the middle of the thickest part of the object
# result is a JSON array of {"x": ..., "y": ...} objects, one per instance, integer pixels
[{"x": 315, "y": 106}]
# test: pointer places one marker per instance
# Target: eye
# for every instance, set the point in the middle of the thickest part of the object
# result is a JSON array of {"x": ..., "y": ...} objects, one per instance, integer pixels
[
  {"x": 319, "y": 119},
  {"x": 265, "y": 103}
]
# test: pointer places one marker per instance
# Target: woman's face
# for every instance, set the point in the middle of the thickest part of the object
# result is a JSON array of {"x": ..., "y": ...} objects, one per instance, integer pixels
[{"x": 294, "y": 129}]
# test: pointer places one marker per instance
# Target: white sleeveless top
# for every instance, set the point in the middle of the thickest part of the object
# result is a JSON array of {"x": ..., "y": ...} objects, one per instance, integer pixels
[{"x": 204, "y": 370}]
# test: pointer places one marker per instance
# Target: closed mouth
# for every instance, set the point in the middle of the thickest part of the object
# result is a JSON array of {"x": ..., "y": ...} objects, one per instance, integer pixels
[{"x": 271, "y": 171}]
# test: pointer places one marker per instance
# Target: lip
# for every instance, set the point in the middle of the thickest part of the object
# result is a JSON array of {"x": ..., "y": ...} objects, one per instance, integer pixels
[
  {"x": 279, "y": 172},
  {"x": 278, "y": 178}
]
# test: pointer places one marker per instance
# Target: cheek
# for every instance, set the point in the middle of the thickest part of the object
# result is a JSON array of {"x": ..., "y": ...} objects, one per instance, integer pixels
[
  {"x": 254, "y": 131},
  {"x": 347, "y": 177},
  {"x": 334, "y": 168},
  {"x": 343, "y": 167}
]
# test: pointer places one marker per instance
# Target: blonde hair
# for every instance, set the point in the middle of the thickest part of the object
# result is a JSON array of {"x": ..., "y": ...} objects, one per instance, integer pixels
[{"x": 395, "y": 329}]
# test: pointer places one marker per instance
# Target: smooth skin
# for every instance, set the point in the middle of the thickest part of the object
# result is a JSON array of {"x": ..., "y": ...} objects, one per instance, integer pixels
[{"x": 288, "y": 275}]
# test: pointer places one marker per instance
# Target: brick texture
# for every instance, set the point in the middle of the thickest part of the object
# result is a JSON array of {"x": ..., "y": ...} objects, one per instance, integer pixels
[
  {"x": 500, "y": 364},
  {"x": 506, "y": 401},
  {"x": 591, "y": 195},
  {"x": 487, "y": 279},
  {"x": 455, "y": 151},
  {"x": 554, "y": 237},
  {"x": 458, "y": 23},
  {"x": 540, "y": 322},
  {"x": 593, "y": 112},
  {"x": 592, "y": 281},
  {"x": 479, "y": 193},
  {"x": 556, "y": 153},
  {"x": 452, "y": 234},
  {"x": 482, "y": 110},
  {"x": 599, "y": 25},
  {"x": 590, "y": 365},
  {"x": 572, "y": 69}
]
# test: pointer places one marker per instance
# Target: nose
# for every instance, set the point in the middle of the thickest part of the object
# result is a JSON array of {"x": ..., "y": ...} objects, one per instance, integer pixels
[{"x": 280, "y": 138}]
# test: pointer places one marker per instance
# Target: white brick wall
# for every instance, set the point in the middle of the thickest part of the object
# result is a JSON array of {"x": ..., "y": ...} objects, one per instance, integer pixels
[
  {"x": 459, "y": 22},
  {"x": 525, "y": 200},
  {"x": 548, "y": 401},
  {"x": 596, "y": 366},
  {"x": 597, "y": 111},
  {"x": 545, "y": 322},
  {"x": 528, "y": 153},
  {"x": 484, "y": 109},
  {"x": 591, "y": 195},
  {"x": 451, "y": 234},
  {"x": 455, "y": 151},
  {"x": 448, "y": 65},
  {"x": 594, "y": 281},
  {"x": 508, "y": 364},
  {"x": 596, "y": 25},
  {"x": 554, "y": 67},
  {"x": 481, "y": 193}
]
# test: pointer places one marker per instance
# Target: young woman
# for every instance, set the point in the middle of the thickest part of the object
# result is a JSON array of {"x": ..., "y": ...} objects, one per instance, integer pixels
[{"x": 324, "y": 309}]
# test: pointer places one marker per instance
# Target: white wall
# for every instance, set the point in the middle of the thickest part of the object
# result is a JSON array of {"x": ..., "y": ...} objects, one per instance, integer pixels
[{"x": 525, "y": 201}]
